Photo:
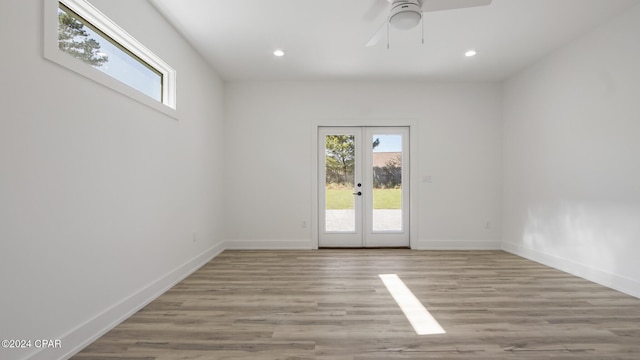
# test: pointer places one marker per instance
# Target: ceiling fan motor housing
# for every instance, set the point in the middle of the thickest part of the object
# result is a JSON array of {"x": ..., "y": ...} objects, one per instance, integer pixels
[{"x": 405, "y": 14}]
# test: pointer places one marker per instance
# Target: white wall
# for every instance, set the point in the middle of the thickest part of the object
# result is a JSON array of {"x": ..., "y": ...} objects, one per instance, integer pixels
[
  {"x": 99, "y": 195},
  {"x": 571, "y": 157},
  {"x": 269, "y": 135}
]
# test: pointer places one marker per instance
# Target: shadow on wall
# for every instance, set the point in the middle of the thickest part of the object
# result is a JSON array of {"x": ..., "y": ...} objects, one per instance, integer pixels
[{"x": 599, "y": 236}]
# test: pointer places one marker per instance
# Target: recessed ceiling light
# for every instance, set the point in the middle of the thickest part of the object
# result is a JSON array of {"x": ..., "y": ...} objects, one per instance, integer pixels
[
  {"x": 278, "y": 53},
  {"x": 470, "y": 53}
]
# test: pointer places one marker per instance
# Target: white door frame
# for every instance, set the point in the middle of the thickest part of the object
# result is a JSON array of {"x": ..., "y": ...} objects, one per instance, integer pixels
[{"x": 412, "y": 124}]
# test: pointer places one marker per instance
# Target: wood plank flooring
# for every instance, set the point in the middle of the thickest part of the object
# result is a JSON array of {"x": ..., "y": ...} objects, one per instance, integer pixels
[{"x": 331, "y": 304}]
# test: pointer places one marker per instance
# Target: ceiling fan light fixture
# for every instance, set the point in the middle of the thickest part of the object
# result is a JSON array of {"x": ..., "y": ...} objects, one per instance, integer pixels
[
  {"x": 405, "y": 15},
  {"x": 405, "y": 20},
  {"x": 278, "y": 53},
  {"x": 470, "y": 53}
]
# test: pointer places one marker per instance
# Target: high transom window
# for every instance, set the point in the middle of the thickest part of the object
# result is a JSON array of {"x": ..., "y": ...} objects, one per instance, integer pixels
[{"x": 86, "y": 38}]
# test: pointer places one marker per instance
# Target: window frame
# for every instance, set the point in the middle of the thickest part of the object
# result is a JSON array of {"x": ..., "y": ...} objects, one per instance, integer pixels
[{"x": 108, "y": 27}]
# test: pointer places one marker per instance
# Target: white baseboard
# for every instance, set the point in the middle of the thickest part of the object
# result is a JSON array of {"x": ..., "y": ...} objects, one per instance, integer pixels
[
  {"x": 270, "y": 244},
  {"x": 456, "y": 245},
  {"x": 613, "y": 281},
  {"x": 310, "y": 244},
  {"x": 83, "y": 335}
]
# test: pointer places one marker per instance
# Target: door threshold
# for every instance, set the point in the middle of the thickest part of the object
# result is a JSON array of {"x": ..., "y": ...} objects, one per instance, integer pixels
[{"x": 365, "y": 248}]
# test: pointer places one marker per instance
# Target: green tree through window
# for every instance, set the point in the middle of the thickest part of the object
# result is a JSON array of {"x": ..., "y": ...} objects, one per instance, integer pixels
[
  {"x": 74, "y": 40},
  {"x": 340, "y": 156}
]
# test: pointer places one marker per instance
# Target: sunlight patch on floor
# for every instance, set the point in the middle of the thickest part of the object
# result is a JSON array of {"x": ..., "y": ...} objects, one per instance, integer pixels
[{"x": 419, "y": 317}]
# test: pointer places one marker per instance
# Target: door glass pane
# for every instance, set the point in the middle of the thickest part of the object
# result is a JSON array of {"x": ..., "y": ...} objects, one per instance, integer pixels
[
  {"x": 339, "y": 183},
  {"x": 387, "y": 182}
]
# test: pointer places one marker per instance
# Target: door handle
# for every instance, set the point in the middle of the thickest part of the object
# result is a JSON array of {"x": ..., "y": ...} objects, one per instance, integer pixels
[{"x": 359, "y": 193}]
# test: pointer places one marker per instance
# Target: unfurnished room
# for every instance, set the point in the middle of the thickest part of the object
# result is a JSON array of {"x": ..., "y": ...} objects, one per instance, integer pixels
[{"x": 320, "y": 179}]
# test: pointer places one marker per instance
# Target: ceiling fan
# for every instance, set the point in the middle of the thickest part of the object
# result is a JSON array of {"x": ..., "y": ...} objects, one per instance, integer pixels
[{"x": 407, "y": 14}]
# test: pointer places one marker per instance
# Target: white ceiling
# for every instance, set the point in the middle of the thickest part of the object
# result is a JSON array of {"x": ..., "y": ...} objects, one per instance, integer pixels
[{"x": 324, "y": 39}]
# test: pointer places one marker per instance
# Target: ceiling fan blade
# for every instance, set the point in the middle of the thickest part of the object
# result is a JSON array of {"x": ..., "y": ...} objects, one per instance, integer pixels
[
  {"x": 377, "y": 8},
  {"x": 378, "y": 35},
  {"x": 439, "y": 5}
]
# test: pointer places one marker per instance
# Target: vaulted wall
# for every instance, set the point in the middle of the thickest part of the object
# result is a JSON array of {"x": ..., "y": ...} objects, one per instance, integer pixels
[
  {"x": 571, "y": 166},
  {"x": 100, "y": 196}
]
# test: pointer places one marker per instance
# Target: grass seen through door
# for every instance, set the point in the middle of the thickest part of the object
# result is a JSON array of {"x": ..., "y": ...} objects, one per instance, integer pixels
[{"x": 339, "y": 199}]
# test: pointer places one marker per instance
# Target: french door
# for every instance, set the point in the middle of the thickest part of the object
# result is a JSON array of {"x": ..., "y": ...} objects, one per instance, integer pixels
[{"x": 364, "y": 186}]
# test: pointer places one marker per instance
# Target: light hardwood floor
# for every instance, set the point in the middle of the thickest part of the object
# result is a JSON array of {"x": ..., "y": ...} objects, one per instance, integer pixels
[{"x": 331, "y": 304}]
